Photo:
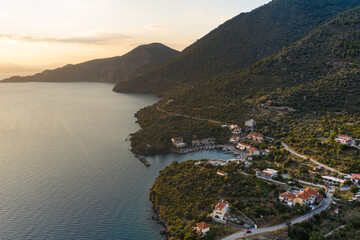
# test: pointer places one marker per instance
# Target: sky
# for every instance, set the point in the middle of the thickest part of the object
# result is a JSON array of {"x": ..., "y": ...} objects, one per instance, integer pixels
[{"x": 54, "y": 33}]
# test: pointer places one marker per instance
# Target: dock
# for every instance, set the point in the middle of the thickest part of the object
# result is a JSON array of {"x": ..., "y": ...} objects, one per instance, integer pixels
[{"x": 143, "y": 160}]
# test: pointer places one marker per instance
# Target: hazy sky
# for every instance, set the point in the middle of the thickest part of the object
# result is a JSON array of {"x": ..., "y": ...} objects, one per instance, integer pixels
[{"x": 45, "y": 32}]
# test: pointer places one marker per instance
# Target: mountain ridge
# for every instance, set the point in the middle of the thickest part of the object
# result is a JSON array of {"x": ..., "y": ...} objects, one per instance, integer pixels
[
  {"x": 237, "y": 43},
  {"x": 109, "y": 70}
]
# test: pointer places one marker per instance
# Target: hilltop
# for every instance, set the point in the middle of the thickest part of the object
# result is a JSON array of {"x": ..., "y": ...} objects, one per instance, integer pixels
[
  {"x": 319, "y": 72},
  {"x": 236, "y": 44},
  {"x": 109, "y": 70}
]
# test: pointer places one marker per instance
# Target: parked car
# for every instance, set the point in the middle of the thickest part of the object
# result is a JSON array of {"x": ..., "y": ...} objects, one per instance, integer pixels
[{"x": 248, "y": 231}]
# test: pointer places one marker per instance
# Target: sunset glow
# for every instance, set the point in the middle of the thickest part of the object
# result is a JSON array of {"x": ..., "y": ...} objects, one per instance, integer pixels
[{"x": 44, "y": 32}]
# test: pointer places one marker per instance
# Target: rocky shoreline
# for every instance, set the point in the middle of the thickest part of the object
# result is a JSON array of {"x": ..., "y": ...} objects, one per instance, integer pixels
[{"x": 156, "y": 218}]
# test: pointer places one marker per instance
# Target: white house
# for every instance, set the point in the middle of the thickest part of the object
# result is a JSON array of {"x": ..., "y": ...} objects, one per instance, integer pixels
[
  {"x": 332, "y": 180},
  {"x": 221, "y": 173},
  {"x": 202, "y": 228},
  {"x": 269, "y": 173},
  {"x": 178, "y": 142},
  {"x": 243, "y": 146},
  {"x": 250, "y": 123},
  {"x": 236, "y": 130},
  {"x": 234, "y": 139},
  {"x": 343, "y": 139},
  {"x": 306, "y": 196},
  {"x": 221, "y": 210},
  {"x": 254, "y": 151}
]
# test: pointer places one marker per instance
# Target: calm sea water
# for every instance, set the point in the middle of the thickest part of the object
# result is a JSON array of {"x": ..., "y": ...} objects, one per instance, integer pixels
[{"x": 66, "y": 171}]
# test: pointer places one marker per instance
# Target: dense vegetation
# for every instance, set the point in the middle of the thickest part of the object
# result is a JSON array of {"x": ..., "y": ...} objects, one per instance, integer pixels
[
  {"x": 317, "y": 73},
  {"x": 238, "y": 43},
  {"x": 184, "y": 192},
  {"x": 318, "y": 226},
  {"x": 157, "y": 129},
  {"x": 109, "y": 70},
  {"x": 314, "y": 136}
]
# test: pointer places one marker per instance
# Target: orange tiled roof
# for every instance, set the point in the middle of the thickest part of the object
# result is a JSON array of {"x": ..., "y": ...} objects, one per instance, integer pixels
[
  {"x": 221, "y": 205},
  {"x": 304, "y": 195},
  {"x": 202, "y": 225},
  {"x": 311, "y": 191},
  {"x": 255, "y": 134},
  {"x": 253, "y": 149},
  {"x": 343, "y": 136},
  {"x": 288, "y": 195}
]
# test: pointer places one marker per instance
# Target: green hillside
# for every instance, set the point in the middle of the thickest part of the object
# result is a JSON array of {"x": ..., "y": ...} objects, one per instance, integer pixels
[
  {"x": 319, "y": 72},
  {"x": 238, "y": 43}
]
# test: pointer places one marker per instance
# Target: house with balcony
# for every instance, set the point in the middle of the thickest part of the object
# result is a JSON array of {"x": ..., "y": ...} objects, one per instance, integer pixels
[
  {"x": 269, "y": 173},
  {"x": 243, "y": 146},
  {"x": 221, "y": 211},
  {"x": 255, "y": 136},
  {"x": 307, "y": 196},
  {"x": 344, "y": 139}
]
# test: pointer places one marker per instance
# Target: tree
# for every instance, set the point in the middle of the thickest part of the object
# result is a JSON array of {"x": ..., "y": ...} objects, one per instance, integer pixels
[
  {"x": 316, "y": 236},
  {"x": 354, "y": 189}
]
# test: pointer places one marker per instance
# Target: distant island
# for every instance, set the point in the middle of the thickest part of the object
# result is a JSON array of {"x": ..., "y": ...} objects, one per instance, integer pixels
[{"x": 108, "y": 70}]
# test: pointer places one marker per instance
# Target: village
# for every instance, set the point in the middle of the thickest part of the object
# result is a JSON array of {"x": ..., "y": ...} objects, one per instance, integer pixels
[{"x": 251, "y": 151}]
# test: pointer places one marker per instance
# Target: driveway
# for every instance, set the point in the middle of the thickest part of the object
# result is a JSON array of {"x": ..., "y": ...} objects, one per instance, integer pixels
[{"x": 312, "y": 160}]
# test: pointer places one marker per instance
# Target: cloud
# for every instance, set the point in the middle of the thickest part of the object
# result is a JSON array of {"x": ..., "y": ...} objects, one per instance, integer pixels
[
  {"x": 97, "y": 38},
  {"x": 156, "y": 27}
]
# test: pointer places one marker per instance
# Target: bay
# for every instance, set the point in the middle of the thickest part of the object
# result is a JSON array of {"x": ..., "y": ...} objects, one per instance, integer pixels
[{"x": 66, "y": 171}]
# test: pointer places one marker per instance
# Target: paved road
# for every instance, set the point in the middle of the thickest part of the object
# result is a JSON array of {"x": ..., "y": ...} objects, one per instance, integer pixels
[
  {"x": 312, "y": 160},
  {"x": 331, "y": 232},
  {"x": 326, "y": 204}
]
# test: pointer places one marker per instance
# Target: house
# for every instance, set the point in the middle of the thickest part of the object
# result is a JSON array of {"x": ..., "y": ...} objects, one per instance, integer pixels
[
  {"x": 221, "y": 173},
  {"x": 202, "y": 142},
  {"x": 332, "y": 180},
  {"x": 218, "y": 162},
  {"x": 178, "y": 142},
  {"x": 355, "y": 175},
  {"x": 343, "y": 139},
  {"x": 250, "y": 124},
  {"x": 307, "y": 196},
  {"x": 269, "y": 102},
  {"x": 256, "y": 136},
  {"x": 221, "y": 211},
  {"x": 288, "y": 198},
  {"x": 236, "y": 130},
  {"x": 254, "y": 151},
  {"x": 234, "y": 139},
  {"x": 203, "y": 228},
  {"x": 269, "y": 173},
  {"x": 196, "y": 142},
  {"x": 355, "y": 180},
  {"x": 264, "y": 152},
  {"x": 243, "y": 146},
  {"x": 232, "y": 126}
]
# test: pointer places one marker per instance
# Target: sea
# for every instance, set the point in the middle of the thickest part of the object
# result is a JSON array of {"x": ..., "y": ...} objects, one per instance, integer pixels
[{"x": 66, "y": 169}]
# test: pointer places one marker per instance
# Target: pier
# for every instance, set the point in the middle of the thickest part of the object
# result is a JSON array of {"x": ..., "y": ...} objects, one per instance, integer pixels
[{"x": 143, "y": 160}]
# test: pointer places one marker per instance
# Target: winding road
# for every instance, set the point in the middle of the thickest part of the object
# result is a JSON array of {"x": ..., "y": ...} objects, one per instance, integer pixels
[
  {"x": 325, "y": 205},
  {"x": 312, "y": 160}
]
